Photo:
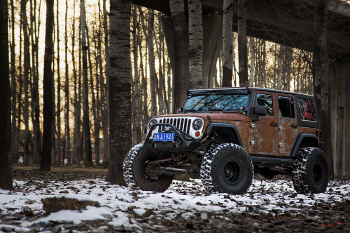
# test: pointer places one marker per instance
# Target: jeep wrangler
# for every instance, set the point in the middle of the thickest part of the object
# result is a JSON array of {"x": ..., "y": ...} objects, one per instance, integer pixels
[{"x": 224, "y": 135}]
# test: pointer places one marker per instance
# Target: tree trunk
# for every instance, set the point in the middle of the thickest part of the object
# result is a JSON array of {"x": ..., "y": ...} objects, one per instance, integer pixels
[
  {"x": 321, "y": 77},
  {"x": 53, "y": 130},
  {"x": 94, "y": 113},
  {"x": 289, "y": 54},
  {"x": 227, "y": 44},
  {"x": 66, "y": 90},
  {"x": 242, "y": 43},
  {"x": 34, "y": 93},
  {"x": 120, "y": 88},
  {"x": 252, "y": 61},
  {"x": 105, "y": 113},
  {"x": 5, "y": 95},
  {"x": 137, "y": 97},
  {"x": 76, "y": 102},
  {"x": 181, "y": 72},
  {"x": 280, "y": 68},
  {"x": 144, "y": 87},
  {"x": 86, "y": 123},
  {"x": 26, "y": 80},
  {"x": 48, "y": 80},
  {"x": 15, "y": 130},
  {"x": 59, "y": 146},
  {"x": 263, "y": 63},
  {"x": 195, "y": 34},
  {"x": 151, "y": 60}
]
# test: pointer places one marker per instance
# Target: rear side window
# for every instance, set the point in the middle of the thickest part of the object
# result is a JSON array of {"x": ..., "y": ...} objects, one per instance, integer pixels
[
  {"x": 307, "y": 109},
  {"x": 286, "y": 106}
]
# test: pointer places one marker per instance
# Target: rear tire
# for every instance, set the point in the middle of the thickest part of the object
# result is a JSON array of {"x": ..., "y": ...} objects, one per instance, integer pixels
[
  {"x": 229, "y": 169},
  {"x": 310, "y": 171}
]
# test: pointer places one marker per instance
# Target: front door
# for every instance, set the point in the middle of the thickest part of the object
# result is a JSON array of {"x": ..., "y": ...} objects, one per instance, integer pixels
[{"x": 264, "y": 132}]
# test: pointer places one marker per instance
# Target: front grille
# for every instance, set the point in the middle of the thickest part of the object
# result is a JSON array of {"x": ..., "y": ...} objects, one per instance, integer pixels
[{"x": 182, "y": 123}]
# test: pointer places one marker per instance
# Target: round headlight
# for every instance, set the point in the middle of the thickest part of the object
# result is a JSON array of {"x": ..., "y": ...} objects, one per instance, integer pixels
[
  {"x": 152, "y": 122},
  {"x": 197, "y": 124}
]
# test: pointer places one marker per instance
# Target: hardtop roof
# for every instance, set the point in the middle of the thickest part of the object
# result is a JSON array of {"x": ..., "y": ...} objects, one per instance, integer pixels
[{"x": 249, "y": 89}]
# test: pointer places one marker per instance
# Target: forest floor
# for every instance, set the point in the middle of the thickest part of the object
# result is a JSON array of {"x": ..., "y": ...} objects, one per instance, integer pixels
[{"x": 269, "y": 206}]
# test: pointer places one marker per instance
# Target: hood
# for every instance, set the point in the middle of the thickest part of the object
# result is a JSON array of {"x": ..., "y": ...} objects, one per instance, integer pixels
[{"x": 232, "y": 116}]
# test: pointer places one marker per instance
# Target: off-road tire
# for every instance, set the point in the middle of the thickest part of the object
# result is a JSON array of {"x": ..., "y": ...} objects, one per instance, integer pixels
[
  {"x": 205, "y": 170},
  {"x": 145, "y": 180},
  {"x": 310, "y": 171},
  {"x": 127, "y": 166},
  {"x": 227, "y": 169}
]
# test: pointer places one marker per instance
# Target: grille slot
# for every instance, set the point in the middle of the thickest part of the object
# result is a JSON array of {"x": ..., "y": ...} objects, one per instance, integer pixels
[{"x": 184, "y": 124}]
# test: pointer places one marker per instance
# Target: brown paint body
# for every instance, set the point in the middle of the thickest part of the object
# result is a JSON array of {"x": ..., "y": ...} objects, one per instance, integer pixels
[{"x": 270, "y": 136}]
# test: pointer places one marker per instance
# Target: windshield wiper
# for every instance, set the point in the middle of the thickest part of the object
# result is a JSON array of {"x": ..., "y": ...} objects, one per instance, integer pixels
[
  {"x": 219, "y": 110},
  {"x": 191, "y": 110}
]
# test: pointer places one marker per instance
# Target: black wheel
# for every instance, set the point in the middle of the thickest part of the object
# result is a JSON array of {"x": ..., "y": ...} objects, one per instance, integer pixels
[
  {"x": 310, "y": 171},
  {"x": 144, "y": 175},
  {"x": 127, "y": 166},
  {"x": 229, "y": 169}
]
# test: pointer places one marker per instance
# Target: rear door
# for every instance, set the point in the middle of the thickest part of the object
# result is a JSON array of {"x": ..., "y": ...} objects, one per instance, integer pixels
[{"x": 287, "y": 123}]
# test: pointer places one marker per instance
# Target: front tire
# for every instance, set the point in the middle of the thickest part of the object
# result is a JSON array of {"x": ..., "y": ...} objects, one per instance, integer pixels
[
  {"x": 310, "y": 171},
  {"x": 127, "y": 166},
  {"x": 144, "y": 176},
  {"x": 229, "y": 169}
]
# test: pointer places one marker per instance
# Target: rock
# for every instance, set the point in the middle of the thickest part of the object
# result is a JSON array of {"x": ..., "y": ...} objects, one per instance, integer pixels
[
  {"x": 56, "y": 204},
  {"x": 148, "y": 213}
]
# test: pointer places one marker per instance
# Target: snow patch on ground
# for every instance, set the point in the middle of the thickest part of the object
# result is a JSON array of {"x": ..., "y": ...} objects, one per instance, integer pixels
[{"x": 184, "y": 198}]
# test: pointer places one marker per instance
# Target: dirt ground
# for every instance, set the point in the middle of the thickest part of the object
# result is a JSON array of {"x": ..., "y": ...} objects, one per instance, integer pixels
[{"x": 322, "y": 217}]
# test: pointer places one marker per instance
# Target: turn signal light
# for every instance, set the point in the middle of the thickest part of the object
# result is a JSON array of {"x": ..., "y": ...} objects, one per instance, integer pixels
[{"x": 197, "y": 134}]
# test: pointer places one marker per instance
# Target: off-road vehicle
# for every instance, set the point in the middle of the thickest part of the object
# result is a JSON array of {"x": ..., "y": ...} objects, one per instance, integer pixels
[{"x": 224, "y": 135}]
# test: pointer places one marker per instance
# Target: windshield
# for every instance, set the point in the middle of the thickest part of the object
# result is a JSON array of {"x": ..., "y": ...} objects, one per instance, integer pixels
[{"x": 216, "y": 102}]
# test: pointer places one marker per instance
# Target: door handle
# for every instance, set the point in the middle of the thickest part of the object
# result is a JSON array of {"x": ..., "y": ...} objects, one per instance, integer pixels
[
  {"x": 293, "y": 126},
  {"x": 273, "y": 124}
]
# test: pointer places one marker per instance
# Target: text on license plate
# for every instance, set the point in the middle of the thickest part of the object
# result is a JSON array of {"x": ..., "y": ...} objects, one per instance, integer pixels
[{"x": 163, "y": 137}]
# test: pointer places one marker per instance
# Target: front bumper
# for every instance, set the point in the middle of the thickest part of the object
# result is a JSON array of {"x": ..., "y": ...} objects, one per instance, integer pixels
[{"x": 182, "y": 140}]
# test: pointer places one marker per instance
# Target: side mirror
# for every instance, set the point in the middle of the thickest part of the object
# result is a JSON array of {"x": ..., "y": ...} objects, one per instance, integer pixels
[
  {"x": 180, "y": 110},
  {"x": 260, "y": 110}
]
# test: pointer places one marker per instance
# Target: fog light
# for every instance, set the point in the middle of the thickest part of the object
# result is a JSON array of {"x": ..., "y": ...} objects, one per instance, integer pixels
[{"x": 197, "y": 134}]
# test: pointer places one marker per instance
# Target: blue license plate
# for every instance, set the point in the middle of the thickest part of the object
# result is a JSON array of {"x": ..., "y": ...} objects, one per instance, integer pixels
[{"x": 163, "y": 137}]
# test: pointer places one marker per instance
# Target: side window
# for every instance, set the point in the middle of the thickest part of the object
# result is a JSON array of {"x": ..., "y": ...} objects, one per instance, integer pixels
[
  {"x": 286, "y": 106},
  {"x": 265, "y": 100},
  {"x": 307, "y": 109}
]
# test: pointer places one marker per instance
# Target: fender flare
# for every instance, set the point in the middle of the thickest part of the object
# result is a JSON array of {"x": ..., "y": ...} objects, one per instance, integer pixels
[
  {"x": 224, "y": 125},
  {"x": 300, "y": 138}
]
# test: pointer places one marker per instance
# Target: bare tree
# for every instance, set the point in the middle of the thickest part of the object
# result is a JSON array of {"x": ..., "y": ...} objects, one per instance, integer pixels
[
  {"x": 26, "y": 65},
  {"x": 34, "y": 33},
  {"x": 5, "y": 95},
  {"x": 321, "y": 76},
  {"x": 105, "y": 111},
  {"x": 66, "y": 88},
  {"x": 86, "y": 122},
  {"x": 280, "y": 67},
  {"x": 48, "y": 80},
  {"x": 252, "y": 61},
  {"x": 195, "y": 34},
  {"x": 181, "y": 72},
  {"x": 137, "y": 97},
  {"x": 228, "y": 48},
  {"x": 58, "y": 114},
  {"x": 15, "y": 131},
  {"x": 120, "y": 88},
  {"x": 151, "y": 62},
  {"x": 242, "y": 43}
]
